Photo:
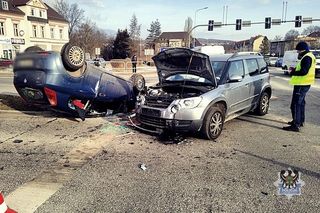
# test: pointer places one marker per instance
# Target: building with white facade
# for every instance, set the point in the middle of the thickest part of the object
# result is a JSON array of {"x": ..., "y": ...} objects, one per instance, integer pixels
[{"x": 25, "y": 23}]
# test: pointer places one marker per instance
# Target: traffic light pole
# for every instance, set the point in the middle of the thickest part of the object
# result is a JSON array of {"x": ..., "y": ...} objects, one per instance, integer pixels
[
  {"x": 270, "y": 21},
  {"x": 190, "y": 31}
]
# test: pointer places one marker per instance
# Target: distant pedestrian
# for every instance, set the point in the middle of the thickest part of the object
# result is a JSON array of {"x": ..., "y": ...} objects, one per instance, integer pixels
[
  {"x": 134, "y": 63},
  {"x": 302, "y": 77}
]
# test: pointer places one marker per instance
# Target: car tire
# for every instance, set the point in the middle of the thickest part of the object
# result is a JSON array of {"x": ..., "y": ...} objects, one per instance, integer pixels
[
  {"x": 72, "y": 57},
  {"x": 213, "y": 122},
  {"x": 33, "y": 49},
  {"x": 138, "y": 81},
  {"x": 263, "y": 105}
]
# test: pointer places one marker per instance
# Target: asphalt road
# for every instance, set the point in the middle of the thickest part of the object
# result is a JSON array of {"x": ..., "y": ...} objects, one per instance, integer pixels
[{"x": 52, "y": 163}]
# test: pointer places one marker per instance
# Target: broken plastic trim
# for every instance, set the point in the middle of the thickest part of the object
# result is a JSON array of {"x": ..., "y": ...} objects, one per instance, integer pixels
[{"x": 139, "y": 127}]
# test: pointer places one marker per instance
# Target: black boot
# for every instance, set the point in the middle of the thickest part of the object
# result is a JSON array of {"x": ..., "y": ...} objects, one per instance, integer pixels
[{"x": 291, "y": 128}]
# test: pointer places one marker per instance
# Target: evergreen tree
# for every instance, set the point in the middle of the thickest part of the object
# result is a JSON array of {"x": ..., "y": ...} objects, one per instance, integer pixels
[
  {"x": 265, "y": 46},
  {"x": 155, "y": 29},
  {"x": 135, "y": 28},
  {"x": 121, "y": 45}
]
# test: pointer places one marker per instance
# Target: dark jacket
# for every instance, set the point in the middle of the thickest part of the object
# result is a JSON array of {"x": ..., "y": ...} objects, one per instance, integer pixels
[{"x": 305, "y": 65}]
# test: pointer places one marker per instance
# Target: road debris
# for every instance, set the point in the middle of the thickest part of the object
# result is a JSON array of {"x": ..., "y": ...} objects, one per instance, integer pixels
[
  {"x": 17, "y": 141},
  {"x": 143, "y": 167}
]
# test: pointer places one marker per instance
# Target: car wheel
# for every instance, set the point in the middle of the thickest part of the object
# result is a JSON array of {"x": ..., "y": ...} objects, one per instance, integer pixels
[
  {"x": 264, "y": 103},
  {"x": 33, "y": 49},
  {"x": 213, "y": 122},
  {"x": 72, "y": 57},
  {"x": 138, "y": 82}
]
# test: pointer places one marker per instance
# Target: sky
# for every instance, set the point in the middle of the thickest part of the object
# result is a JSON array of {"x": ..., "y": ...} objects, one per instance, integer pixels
[{"x": 116, "y": 14}]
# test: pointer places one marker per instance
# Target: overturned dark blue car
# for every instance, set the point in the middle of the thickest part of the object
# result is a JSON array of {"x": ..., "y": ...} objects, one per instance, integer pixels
[{"x": 65, "y": 82}]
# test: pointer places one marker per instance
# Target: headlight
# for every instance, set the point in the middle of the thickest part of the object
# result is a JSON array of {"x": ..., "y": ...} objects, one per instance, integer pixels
[
  {"x": 175, "y": 108},
  {"x": 188, "y": 103}
]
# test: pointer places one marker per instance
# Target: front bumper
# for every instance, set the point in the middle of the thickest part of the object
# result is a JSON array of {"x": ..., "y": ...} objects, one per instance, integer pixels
[{"x": 175, "y": 125}]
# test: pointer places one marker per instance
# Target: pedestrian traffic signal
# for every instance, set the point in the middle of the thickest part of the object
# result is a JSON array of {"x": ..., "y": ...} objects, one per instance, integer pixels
[
  {"x": 238, "y": 24},
  {"x": 267, "y": 23},
  {"x": 298, "y": 21},
  {"x": 210, "y": 25}
]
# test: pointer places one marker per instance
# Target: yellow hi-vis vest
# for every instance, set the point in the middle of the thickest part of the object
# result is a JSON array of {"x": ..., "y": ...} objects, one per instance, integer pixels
[{"x": 307, "y": 79}]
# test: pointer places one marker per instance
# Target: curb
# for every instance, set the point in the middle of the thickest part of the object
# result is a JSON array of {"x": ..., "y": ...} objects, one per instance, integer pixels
[{"x": 17, "y": 112}]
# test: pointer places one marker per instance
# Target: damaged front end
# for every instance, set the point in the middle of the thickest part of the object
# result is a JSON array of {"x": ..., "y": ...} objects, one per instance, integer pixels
[{"x": 176, "y": 102}]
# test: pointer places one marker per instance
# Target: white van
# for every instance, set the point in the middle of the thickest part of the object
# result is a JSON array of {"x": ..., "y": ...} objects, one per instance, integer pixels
[
  {"x": 210, "y": 50},
  {"x": 316, "y": 53},
  {"x": 290, "y": 59}
]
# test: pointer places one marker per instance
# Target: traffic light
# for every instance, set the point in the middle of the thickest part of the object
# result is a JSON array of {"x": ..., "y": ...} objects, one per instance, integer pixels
[
  {"x": 210, "y": 25},
  {"x": 298, "y": 21},
  {"x": 267, "y": 23},
  {"x": 238, "y": 24}
]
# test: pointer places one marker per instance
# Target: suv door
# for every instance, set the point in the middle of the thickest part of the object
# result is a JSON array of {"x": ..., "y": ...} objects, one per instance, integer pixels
[
  {"x": 255, "y": 84},
  {"x": 236, "y": 92}
]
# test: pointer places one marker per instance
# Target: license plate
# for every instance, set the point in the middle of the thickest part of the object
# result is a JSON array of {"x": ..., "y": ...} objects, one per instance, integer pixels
[
  {"x": 151, "y": 112},
  {"x": 25, "y": 63}
]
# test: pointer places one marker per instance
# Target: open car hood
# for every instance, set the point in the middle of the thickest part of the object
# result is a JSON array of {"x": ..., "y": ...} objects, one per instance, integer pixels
[{"x": 183, "y": 61}]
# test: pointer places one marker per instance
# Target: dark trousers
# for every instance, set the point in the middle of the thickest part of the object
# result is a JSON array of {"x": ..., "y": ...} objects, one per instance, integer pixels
[
  {"x": 134, "y": 68},
  {"x": 298, "y": 104}
]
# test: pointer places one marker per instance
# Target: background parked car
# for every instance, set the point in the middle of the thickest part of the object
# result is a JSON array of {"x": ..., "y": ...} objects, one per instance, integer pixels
[
  {"x": 4, "y": 62},
  {"x": 272, "y": 61}
]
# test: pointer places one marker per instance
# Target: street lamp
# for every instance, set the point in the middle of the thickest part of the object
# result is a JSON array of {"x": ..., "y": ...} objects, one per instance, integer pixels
[{"x": 195, "y": 22}]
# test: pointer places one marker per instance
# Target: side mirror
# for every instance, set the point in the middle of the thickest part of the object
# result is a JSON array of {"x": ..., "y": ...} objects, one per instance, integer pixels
[{"x": 235, "y": 78}]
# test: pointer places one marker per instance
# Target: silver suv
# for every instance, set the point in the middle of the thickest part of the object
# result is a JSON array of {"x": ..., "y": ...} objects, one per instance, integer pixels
[{"x": 199, "y": 93}]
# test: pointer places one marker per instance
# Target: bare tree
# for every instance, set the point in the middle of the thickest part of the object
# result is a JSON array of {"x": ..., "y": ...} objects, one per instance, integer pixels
[
  {"x": 277, "y": 38},
  {"x": 188, "y": 24},
  {"x": 291, "y": 34},
  {"x": 88, "y": 36},
  {"x": 310, "y": 29},
  {"x": 71, "y": 12}
]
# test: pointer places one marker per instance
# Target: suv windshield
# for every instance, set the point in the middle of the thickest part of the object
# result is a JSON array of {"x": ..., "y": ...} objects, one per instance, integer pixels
[{"x": 218, "y": 67}]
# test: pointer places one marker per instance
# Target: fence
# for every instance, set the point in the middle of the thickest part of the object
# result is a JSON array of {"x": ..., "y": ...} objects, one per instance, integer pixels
[{"x": 118, "y": 65}]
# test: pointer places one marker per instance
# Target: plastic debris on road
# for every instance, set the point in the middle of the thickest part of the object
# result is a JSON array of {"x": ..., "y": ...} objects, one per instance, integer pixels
[{"x": 143, "y": 167}]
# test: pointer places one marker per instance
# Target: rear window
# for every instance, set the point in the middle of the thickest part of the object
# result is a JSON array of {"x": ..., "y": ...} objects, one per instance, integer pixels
[{"x": 253, "y": 67}]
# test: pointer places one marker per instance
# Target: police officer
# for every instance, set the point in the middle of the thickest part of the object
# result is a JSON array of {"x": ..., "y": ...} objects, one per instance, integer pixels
[{"x": 302, "y": 77}]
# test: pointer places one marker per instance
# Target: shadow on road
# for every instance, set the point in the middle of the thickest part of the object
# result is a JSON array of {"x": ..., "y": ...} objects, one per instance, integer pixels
[
  {"x": 285, "y": 165},
  {"x": 257, "y": 122}
]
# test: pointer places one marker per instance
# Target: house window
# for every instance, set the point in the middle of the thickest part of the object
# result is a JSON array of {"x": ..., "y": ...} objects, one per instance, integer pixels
[
  {"x": 1, "y": 28},
  {"x": 61, "y": 33},
  {"x": 15, "y": 30},
  {"x": 5, "y": 5},
  {"x": 32, "y": 12},
  {"x": 42, "y": 31},
  {"x": 34, "y": 29},
  {"x": 52, "y": 32}
]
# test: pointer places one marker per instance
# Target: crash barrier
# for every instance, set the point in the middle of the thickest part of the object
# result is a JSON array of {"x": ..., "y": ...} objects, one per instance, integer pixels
[
  {"x": 118, "y": 65},
  {"x": 3, "y": 206}
]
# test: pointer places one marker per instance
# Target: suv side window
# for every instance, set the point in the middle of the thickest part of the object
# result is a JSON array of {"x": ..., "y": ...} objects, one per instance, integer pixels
[
  {"x": 263, "y": 65},
  {"x": 252, "y": 66},
  {"x": 236, "y": 68}
]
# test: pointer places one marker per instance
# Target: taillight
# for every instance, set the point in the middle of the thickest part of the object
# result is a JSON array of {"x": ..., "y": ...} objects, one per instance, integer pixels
[{"x": 52, "y": 96}]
